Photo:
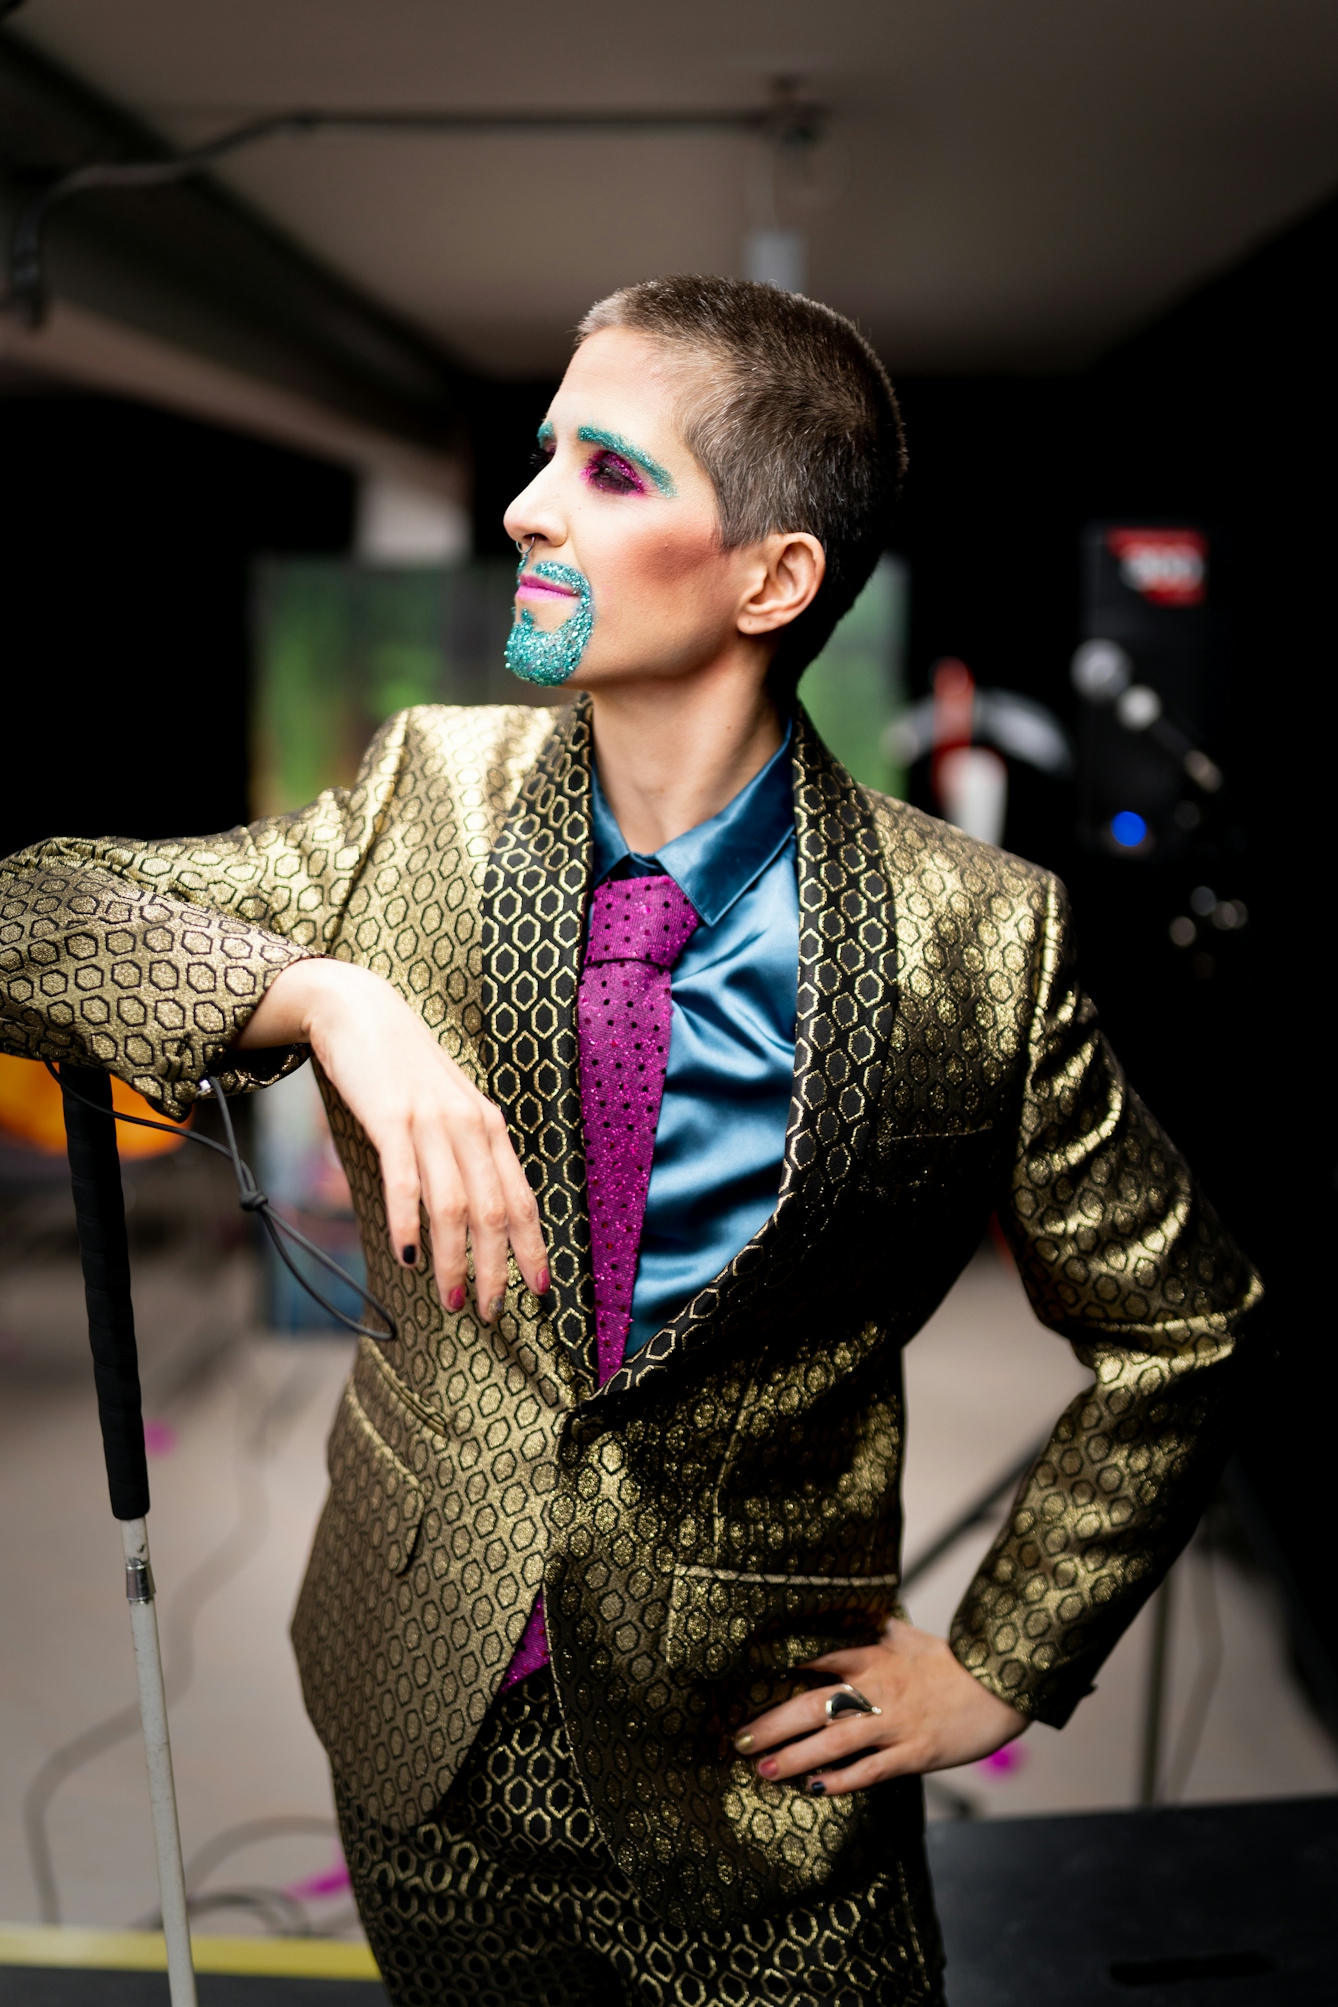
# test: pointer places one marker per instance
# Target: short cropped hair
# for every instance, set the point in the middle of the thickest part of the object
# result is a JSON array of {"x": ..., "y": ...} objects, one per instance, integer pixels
[{"x": 797, "y": 428}]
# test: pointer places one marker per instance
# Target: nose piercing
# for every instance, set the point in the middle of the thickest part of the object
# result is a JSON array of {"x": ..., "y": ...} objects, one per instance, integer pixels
[{"x": 526, "y": 544}]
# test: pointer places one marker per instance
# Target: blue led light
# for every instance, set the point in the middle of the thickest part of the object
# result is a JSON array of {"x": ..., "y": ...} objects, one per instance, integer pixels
[{"x": 1128, "y": 829}]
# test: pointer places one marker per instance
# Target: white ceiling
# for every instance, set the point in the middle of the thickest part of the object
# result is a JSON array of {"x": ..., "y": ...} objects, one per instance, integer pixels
[{"x": 1007, "y": 183}]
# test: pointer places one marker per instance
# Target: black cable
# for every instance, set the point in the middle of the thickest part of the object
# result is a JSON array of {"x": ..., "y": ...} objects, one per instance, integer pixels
[
  {"x": 252, "y": 1200},
  {"x": 63, "y": 1763},
  {"x": 232, "y": 1840},
  {"x": 973, "y": 1515},
  {"x": 205, "y": 1580},
  {"x": 283, "y": 1914},
  {"x": 273, "y": 1826}
]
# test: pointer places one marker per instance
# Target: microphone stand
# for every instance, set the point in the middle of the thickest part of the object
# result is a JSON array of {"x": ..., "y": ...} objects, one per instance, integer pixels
[{"x": 99, "y": 1207}]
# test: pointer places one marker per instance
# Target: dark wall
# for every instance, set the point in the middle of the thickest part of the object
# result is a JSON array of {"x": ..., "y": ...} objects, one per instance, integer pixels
[
  {"x": 1224, "y": 413},
  {"x": 502, "y": 421},
  {"x": 126, "y": 537}
]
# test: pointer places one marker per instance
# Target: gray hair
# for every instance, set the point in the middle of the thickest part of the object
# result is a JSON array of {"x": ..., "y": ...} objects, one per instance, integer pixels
[{"x": 797, "y": 429}]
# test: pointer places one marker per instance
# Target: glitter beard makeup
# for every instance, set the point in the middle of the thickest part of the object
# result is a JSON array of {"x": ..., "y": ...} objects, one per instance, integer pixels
[{"x": 551, "y": 658}]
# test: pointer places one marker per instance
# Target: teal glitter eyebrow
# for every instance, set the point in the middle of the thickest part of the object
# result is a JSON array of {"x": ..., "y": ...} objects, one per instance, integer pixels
[
  {"x": 546, "y": 435},
  {"x": 590, "y": 435}
]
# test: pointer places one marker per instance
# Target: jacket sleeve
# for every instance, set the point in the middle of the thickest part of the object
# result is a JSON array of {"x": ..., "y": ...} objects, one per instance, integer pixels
[
  {"x": 148, "y": 958},
  {"x": 1122, "y": 1255}
]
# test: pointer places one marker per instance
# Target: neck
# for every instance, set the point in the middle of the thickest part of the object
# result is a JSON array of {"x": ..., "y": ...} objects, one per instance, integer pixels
[{"x": 673, "y": 753}]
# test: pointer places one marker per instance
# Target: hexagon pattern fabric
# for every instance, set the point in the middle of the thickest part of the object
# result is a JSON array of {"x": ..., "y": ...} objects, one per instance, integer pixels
[
  {"x": 727, "y": 1505},
  {"x": 638, "y": 929},
  {"x": 508, "y": 1897}
]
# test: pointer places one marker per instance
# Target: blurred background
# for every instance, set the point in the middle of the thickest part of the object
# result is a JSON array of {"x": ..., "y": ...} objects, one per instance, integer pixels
[{"x": 258, "y": 424}]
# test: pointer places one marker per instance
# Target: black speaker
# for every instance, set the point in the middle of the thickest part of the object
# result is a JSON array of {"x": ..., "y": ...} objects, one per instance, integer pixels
[{"x": 1145, "y": 673}]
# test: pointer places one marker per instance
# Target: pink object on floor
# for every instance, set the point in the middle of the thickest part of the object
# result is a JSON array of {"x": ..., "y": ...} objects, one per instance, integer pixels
[
  {"x": 333, "y": 1882},
  {"x": 1004, "y": 1761}
]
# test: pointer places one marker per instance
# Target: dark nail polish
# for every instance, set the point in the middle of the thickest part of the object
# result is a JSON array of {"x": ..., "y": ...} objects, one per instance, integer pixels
[
  {"x": 456, "y": 1299},
  {"x": 495, "y": 1308},
  {"x": 816, "y": 1788},
  {"x": 410, "y": 1256}
]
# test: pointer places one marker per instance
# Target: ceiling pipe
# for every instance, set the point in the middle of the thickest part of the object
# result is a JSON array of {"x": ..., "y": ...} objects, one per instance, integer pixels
[{"x": 787, "y": 121}]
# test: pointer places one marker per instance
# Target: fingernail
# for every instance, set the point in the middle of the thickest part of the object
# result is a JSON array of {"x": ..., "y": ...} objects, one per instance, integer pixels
[
  {"x": 816, "y": 1788},
  {"x": 743, "y": 1741},
  {"x": 767, "y": 1767},
  {"x": 409, "y": 1255},
  {"x": 456, "y": 1299},
  {"x": 542, "y": 1282},
  {"x": 495, "y": 1309}
]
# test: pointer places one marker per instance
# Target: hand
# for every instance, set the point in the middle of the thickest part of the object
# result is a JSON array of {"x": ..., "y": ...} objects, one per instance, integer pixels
[
  {"x": 443, "y": 1145},
  {"x": 935, "y": 1715}
]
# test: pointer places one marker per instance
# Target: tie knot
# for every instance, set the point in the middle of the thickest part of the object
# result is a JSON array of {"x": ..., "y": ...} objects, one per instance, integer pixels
[{"x": 639, "y": 920}]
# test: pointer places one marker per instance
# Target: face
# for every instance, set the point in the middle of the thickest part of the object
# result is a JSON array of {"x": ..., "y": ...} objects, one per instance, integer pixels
[{"x": 624, "y": 576}]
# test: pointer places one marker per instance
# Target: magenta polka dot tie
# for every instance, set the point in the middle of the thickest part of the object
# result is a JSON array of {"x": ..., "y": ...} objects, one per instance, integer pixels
[{"x": 638, "y": 929}]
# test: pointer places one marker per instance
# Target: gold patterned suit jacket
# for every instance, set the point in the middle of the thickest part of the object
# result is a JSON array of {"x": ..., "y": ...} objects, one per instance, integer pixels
[{"x": 728, "y": 1505}]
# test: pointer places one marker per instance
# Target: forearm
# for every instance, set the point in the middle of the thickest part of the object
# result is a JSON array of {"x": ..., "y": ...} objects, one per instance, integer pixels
[
  {"x": 1098, "y": 1520},
  {"x": 284, "y": 1014},
  {"x": 149, "y": 959},
  {"x": 99, "y": 968}
]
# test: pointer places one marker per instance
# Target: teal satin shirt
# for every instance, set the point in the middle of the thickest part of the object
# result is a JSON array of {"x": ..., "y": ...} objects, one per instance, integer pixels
[{"x": 720, "y": 1141}]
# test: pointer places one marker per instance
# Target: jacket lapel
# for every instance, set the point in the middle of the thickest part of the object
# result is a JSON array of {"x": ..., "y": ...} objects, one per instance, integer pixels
[
  {"x": 847, "y": 1000},
  {"x": 534, "y": 903}
]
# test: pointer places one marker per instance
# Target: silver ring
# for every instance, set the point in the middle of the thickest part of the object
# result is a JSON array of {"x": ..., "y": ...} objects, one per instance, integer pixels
[{"x": 845, "y": 1700}]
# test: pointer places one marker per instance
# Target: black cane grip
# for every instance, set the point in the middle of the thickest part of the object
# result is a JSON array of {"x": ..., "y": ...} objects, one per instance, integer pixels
[{"x": 99, "y": 1211}]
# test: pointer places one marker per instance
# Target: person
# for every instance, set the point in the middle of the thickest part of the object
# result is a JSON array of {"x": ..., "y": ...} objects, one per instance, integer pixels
[{"x": 676, "y": 1077}]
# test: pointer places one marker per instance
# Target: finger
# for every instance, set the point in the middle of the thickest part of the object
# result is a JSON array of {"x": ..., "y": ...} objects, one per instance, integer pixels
[
  {"x": 448, "y": 1213},
  {"x": 877, "y": 1768},
  {"x": 830, "y": 1745},
  {"x": 800, "y": 1716},
  {"x": 403, "y": 1190},
  {"x": 522, "y": 1209},
  {"x": 797, "y": 1716},
  {"x": 488, "y": 1217}
]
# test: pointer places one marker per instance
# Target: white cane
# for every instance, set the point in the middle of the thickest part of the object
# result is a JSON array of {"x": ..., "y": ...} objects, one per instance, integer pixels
[{"x": 99, "y": 1206}]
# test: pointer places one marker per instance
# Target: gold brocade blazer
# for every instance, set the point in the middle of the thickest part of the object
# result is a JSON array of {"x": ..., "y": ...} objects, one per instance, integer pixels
[{"x": 728, "y": 1506}]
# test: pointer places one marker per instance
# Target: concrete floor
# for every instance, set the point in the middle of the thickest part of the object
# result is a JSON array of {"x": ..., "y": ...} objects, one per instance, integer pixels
[{"x": 237, "y": 1424}]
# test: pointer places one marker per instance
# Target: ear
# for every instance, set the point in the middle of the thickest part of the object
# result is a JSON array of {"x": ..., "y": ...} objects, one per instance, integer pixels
[{"x": 789, "y": 567}]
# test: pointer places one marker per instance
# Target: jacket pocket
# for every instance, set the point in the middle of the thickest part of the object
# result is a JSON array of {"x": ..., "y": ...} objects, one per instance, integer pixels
[
  {"x": 380, "y": 1494},
  {"x": 723, "y": 1622}
]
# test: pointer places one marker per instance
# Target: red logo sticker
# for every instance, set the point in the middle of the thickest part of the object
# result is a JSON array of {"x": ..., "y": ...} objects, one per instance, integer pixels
[{"x": 1169, "y": 567}]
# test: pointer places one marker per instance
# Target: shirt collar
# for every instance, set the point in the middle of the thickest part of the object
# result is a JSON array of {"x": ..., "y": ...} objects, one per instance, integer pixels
[{"x": 715, "y": 863}]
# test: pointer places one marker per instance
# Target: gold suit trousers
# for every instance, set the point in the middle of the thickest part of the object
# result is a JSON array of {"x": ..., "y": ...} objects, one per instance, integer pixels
[{"x": 509, "y": 1897}]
